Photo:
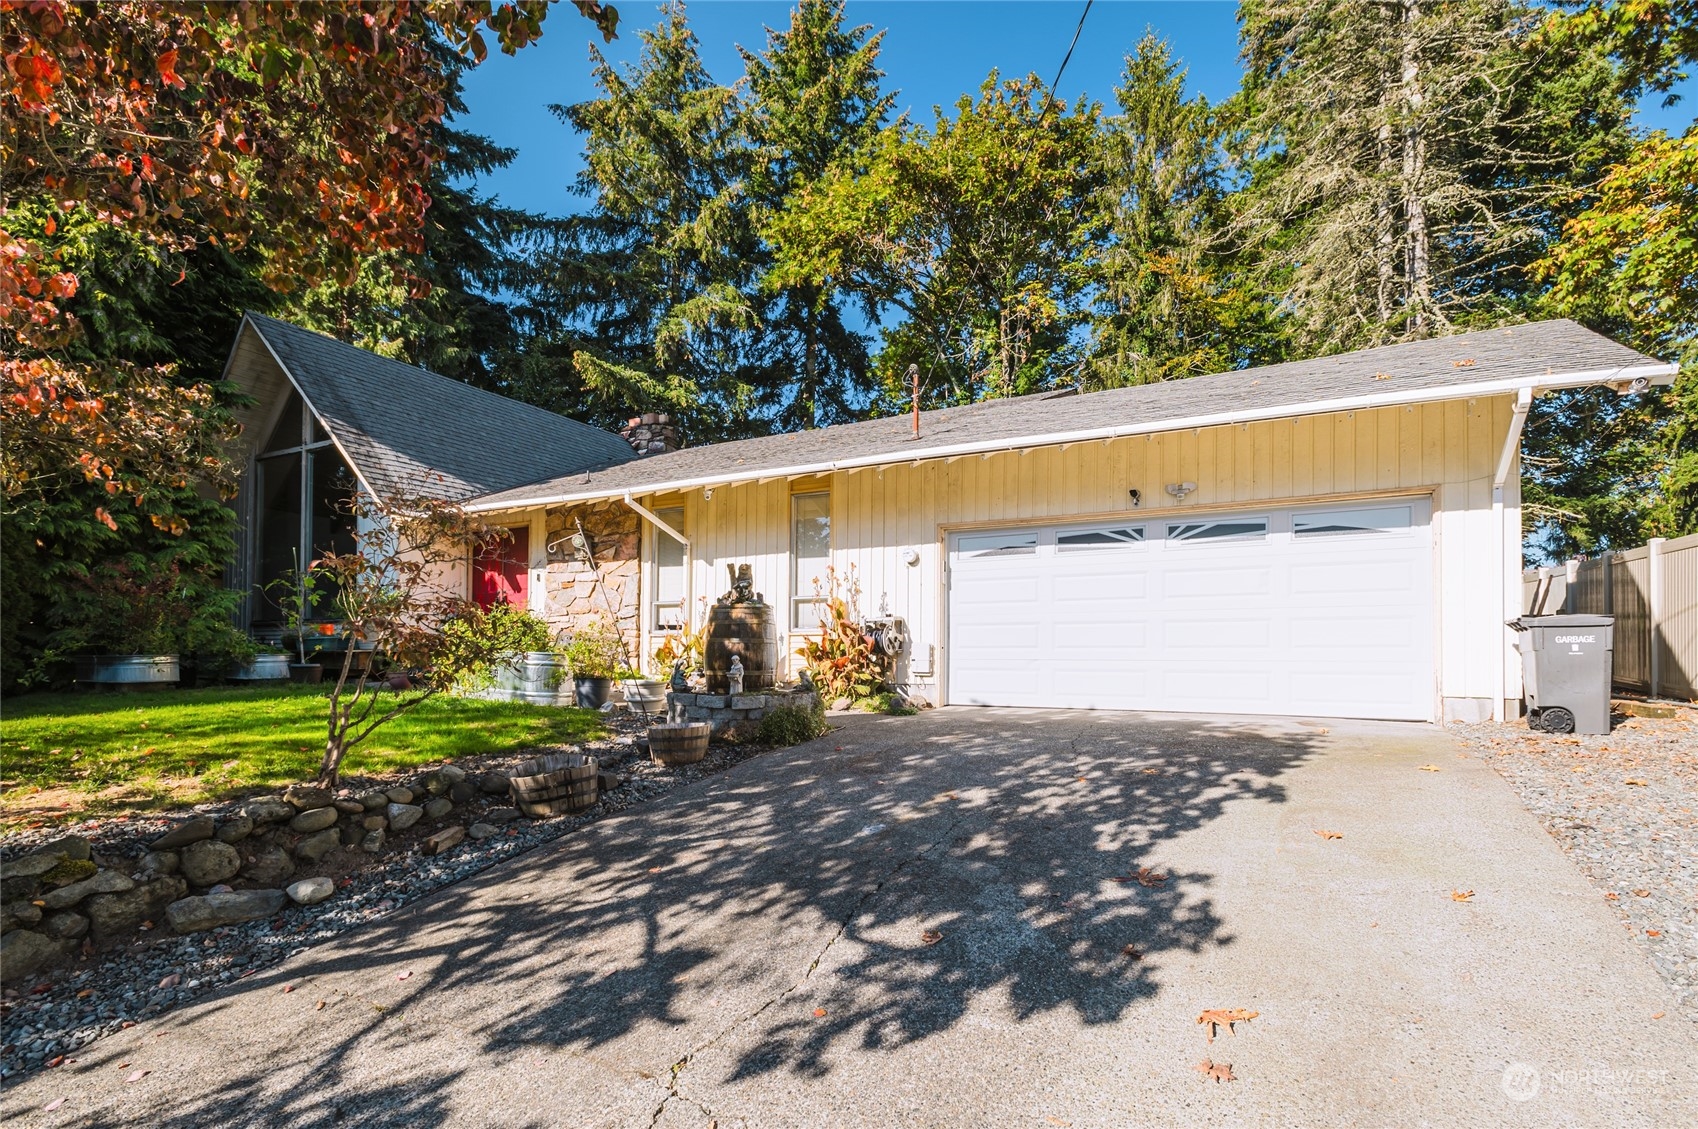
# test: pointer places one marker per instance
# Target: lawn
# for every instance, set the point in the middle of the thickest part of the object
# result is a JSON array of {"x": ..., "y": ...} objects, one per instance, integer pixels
[{"x": 65, "y": 755}]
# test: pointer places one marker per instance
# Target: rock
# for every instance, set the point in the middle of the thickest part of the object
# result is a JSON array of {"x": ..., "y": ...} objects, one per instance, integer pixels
[
  {"x": 72, "y": 847},
  {"x": 400, "y": 795},
  {"x": 112, "y": 916},
  {"x": 34, "y": 865},
  {"x": 102, "y": 882},
  {"x": 439, "y": 807},
  {"x": 608, "y": 781},
  {"x": 481, "y": 831},
  {"x": 269, "y": 809},
  {"x": 374, "y": 823},
  {"x": 436, "y": 784},
  {"x": 452, "y": 773},
  {"x": 371, "y": 801},
  {"x": 18, "y": 914},
  {"x": 191, "y": 915},
  {"x": 18, "y": 888},
  {"x": 311, "y": 891},
  {"x": 235, "y": 829},
  {"x": 841, "y": 705},
  {"x": 64, "y": 926},
  {"x": 210, "y": 862},
  {"x": 403, "y": 816},
  {"x": 351, "y": 833},
  {"x": 307, "y": 797},
  {"x": 189, "y": 831},
  {"x": 314, "y": 819},
  {"x": 24, "y": 953},
  {"x": 349, "y": 807},
  {"x": 373, "y": 842},
  {"x": 268, "y": 866},
  {"x": 493, "y": 784},
  {"x": 69, "y": 871},
  {"x": 501, "y": 815},
  {"x": 318, "y": 844},
  {"x": 462, "y": 791},
  {"x": 446, "y": 839},
  {"x": 221, "y": 888},
  {"x": 162, "y": 862}
]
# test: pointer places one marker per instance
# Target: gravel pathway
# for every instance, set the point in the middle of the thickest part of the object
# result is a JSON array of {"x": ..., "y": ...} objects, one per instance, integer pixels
[
  {"x": 1625, "y": 809},
  {"x": 44, "y": 1023}
]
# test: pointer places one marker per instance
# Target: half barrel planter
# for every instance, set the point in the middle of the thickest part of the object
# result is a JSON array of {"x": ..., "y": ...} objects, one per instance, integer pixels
[
  {"x": 555, "y": 785},
  {"x": 679, "y": 743}
]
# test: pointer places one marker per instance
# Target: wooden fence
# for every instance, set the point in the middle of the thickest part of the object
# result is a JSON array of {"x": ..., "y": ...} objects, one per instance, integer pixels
[{"x": 1652, "y": 592}]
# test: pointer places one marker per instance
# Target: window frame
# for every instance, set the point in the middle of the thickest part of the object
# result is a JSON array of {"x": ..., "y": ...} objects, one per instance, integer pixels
[
  {"x": 801, "y": 587},
  {"x": 675, "y": 517}
]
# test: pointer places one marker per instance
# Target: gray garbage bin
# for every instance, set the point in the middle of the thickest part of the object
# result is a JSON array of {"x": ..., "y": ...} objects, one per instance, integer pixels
[{"x": 1565, "y": 667}]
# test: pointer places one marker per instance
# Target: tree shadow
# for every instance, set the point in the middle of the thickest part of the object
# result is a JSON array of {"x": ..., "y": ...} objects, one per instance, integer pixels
[{"x": 1017, "y": 836}]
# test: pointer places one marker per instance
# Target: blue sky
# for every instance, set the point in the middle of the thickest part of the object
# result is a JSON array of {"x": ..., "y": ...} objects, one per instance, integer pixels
[{"x": 934, "y": 51}]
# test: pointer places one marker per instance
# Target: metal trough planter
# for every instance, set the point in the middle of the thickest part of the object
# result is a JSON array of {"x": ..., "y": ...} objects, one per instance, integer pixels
[{"x": 129, "y": 672}]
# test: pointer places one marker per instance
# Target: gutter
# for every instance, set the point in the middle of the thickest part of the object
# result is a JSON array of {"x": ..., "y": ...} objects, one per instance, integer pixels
[{"x": 1624, "y": 374}]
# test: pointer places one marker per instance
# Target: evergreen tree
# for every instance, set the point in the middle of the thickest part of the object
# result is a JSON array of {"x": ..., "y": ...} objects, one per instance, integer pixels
[
  {"x": 813, "y": 104},
  {"x": 1172, "y": 301},
  {"x": 1407, "y": 158},
  {"x": 646, "y": 296}
]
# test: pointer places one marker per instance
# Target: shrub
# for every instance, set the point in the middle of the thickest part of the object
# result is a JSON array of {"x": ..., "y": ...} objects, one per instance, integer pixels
[
  {"x": 842, "y": 661},
  {"x": 886, "y": 701},
  {"x": 596, "y": 650},
  {"x": 501, "y": 630},
  {"x": 792, "y": 725}
]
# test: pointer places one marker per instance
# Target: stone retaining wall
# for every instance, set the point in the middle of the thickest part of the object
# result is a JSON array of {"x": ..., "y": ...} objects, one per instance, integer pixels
[{"x": 729, "y": 713}]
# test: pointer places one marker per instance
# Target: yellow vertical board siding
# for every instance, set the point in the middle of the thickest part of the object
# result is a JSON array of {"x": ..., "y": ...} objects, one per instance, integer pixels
[{"x": 1448, "y": 448}]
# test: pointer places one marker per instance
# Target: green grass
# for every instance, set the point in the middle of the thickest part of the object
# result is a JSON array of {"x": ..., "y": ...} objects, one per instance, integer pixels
[{"x": 62, "y": 754}]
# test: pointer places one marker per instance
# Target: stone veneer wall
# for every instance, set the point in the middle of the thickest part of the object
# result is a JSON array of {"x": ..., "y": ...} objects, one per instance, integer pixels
[
  {"x": 573, "y": 594},
  {"x": 734, "y": 711}
]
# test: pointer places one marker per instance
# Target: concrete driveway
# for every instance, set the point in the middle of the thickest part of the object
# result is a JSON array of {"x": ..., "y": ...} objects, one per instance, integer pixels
[{"x": 750, "y": 952}]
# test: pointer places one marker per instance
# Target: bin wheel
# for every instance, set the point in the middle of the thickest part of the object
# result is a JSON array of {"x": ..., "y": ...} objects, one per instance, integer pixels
[{"x": 1556, "y": 720}]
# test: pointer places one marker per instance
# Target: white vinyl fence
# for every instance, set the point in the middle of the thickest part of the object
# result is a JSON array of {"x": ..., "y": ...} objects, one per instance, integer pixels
[{"x": 1652, "y": 592}]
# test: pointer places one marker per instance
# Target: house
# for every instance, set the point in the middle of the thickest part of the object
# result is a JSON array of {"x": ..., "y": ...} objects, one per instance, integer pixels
[{"x": 1338, "y": 537}]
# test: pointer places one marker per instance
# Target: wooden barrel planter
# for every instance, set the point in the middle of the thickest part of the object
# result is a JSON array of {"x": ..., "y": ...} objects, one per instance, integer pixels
[
  {"x": 676, "y": 743},
  {"x": 554, "y": 785}
]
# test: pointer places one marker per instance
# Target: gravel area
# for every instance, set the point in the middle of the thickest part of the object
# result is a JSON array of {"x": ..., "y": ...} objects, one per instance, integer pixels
[
  {"x": 1625, "y": 809},
  {"x": 69, "y": 1007}
]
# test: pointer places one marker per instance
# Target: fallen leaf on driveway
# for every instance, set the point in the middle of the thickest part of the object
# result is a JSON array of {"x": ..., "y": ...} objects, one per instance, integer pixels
[
  {"x": 1152, "y": 772},
  {"x": 319, "y": 1006},
  {"x": 1641, "y": 893},
  {"x": 1330, "y": 834},
  {"x": 1081, "y": 780},
  {"x": 288, "y": 988},
  {"x": 1217, "y": 1017},
  {"x": 819, "y": 1013},
  {"x": 1131, "y": 952},
  {"x": 1659, "y": 1015},
  {"x": 1612, "y": 897},
  {"x": 1635, "y": 781},
  {"x": 1653, "y": 932},
  {"x": 403, "y": 975},
  {"x": 930, "y": 936},
  {"x": 57, "y": 1102},
  {"x": 1461, "y": 895},
  {"x": 137, "y": 1076},
  {"x": 1057, "y": 1121},
  {"x": 1219, "y": 1071},
  {"x": 1144, "y": 876},
  {"x": 1431, "y": 768}
]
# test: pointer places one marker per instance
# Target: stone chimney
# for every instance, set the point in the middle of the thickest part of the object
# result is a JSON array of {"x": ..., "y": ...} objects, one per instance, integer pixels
[{"x": 651, "y": 433}]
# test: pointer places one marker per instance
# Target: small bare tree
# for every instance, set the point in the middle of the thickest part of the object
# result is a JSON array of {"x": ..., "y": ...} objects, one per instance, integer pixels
[{"x": 396, "y": 590}]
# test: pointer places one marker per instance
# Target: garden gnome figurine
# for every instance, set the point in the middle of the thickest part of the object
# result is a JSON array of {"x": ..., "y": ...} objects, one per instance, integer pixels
[
  {"x": 680, "y": 684},
  {"x": 734, "y": 676}
]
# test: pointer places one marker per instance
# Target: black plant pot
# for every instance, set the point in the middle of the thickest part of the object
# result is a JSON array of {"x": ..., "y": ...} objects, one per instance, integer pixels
[
  {"x": 310, "y": 674},
  {"x": 591, "y": 693}
]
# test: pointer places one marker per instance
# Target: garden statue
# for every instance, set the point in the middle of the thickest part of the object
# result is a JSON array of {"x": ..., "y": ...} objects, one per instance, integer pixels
[
  {"x": 806, "y": 679},
  {"x": 742, "y": 587},
  {"x": 734, "y": 676},
  {"x": 680, "y": 683}
]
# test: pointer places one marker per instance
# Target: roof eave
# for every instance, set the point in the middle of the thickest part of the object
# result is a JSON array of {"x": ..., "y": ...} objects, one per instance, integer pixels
[{"x": 1657, "y": 373}]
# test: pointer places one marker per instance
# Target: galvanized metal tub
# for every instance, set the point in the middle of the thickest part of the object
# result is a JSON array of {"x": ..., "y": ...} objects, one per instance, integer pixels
[
  {"x": 263, "y": 668},
  {"x": 129, "y": 671},
  {"x": 539, "y": 677}
]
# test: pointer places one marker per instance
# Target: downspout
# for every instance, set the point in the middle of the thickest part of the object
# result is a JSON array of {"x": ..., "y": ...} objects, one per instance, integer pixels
[{"x": 1506, "y": 461}]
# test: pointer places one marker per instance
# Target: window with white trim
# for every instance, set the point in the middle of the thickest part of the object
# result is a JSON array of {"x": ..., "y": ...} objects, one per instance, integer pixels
[
  {"x": 810, "y": 556},
  {"x": 669, "y": 572}
]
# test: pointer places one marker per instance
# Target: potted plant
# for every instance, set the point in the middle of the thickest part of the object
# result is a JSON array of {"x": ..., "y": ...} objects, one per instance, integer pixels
[
  {"x": 295, "y": 592},
  {"x": 528, "y": 665},
  {"x": 134, "y": 620},
  {"x": 646, "y": 695},
  {"x": 595, "y": 654},
  {"x": 268, "y": 664}
]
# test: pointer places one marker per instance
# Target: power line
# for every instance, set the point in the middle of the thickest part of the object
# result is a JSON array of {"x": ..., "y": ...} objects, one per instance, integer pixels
[{"x": 1049, "y": 95}]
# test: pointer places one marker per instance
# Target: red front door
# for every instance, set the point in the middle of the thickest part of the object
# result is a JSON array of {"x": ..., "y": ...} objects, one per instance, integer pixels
[{"x": 501, "y": 572}]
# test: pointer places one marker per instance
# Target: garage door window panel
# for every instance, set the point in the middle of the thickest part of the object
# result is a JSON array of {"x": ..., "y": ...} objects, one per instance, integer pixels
[
  {"x": 978, "y": 545},
  {"x": 1335, "y": 523},
  {"x": 1107, "y": 538},
  {"x": 1231, "y": 529}
]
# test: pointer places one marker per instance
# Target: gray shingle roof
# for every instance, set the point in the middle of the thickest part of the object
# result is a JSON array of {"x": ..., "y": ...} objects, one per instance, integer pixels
[
  {"x": 1550, "y": 353},
  {"x": 411, "y": 431}
]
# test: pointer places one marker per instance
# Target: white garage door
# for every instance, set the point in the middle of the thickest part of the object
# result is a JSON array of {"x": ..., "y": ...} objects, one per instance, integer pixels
[{"x": 1324, "y": 611}]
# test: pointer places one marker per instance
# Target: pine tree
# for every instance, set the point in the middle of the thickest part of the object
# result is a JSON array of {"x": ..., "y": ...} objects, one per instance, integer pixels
[
  {"x": 813, "y": 104},
  {"x": 1171, "y": 299},
  {"x": 1406, "y": 158},
  {"x": 646, "y": 294}
]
